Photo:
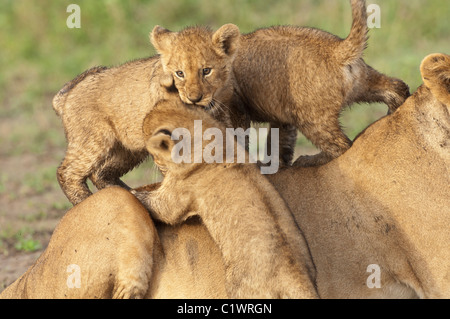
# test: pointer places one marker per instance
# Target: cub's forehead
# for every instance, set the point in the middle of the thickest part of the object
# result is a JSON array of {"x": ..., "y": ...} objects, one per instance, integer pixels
[
  {"x": 194, "y": 45},
  {"x": 192, "y": 57},
  {"x": 192, "y": 33},
  {"x": 193, "y": 38}
]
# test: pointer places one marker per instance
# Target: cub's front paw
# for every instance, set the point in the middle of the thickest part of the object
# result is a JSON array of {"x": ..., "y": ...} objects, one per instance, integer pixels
[{"x": 142, "y": 196}]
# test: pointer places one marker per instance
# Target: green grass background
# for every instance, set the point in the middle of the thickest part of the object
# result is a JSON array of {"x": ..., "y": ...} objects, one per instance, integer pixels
[{"x": 39, "y": 53}]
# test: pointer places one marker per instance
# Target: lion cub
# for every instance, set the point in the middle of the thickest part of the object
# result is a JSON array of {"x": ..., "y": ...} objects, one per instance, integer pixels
[
  {"x": 102, "y": 110},
  {"x": 264, "y": 252},
  {"x": 301, "y": 78}
]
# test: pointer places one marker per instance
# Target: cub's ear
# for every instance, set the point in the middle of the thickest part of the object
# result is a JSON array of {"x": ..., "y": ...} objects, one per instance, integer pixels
[
  {"x": 160, "y": 143},
  {"x": 226, "y": 39},
  {"x": 166, "y": 81},
  {"x": 435, "y": 70},
  {"x": 161, "y": 39},
  {"x": 147, "y": 125}
]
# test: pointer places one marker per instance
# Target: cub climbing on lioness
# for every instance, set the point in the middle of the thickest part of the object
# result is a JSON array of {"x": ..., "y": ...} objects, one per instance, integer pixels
[
  {"x": 299, "y": 78},
  {"x": 302, "y": 78},
  {"x": 102, "y": 109},
  {"x": 264, "y": 252}
]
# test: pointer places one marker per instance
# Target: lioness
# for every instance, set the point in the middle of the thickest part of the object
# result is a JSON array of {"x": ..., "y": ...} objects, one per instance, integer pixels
[
  {"x": 377, "y": 216},
  {"x": 302, "y": 78},
  {"x": 102, "y": 109},
  {"x": 264, "y": 253}
]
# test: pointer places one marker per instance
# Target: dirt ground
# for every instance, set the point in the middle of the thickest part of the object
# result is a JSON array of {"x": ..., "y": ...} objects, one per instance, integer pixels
[{"x": 28, "y": 217}]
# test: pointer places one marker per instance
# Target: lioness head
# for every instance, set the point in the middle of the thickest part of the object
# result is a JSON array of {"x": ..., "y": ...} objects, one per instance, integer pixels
[
  {"x": 180, "y": 137},
  {"x": 198, "y": 61},
  {"x": 435, "y": 70}
]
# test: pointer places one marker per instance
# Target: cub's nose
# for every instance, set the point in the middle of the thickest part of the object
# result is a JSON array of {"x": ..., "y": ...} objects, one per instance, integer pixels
[{"x": 195, "y": 98}]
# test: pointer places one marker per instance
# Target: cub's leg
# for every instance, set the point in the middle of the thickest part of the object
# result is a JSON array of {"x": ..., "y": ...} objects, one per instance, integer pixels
[
  {"x": 326, "y": 133},
  {"x": 167, "y": 203},
  {"x": 234, "y": 117},
  {"x": 286, "y": 141},
  {"x": 72, "y": 178},
  {"x": 119, "y": 162},
  {"x": 377, "y": 87},
  {"x": 82, "y": 156},
  {"x": 147, "y": 188}
]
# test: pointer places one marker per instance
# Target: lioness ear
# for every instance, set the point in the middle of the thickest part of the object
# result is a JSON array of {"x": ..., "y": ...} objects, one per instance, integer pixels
[
  {"x": 435, "y": 70},
  {"x": 226, "y": 39},
  {"x": 161, "y": 39}
]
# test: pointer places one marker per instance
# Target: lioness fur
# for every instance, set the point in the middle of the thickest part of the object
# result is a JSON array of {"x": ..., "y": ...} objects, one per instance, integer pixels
[
  {"x": 264, "y": 253},
  {"x": 118, "y": 252},
  {"x": 107, "y": 243},
  {"x": 102, "y": 109},
  {"x": 384, "y": 202},
  {"x": 300, "y": 78}
]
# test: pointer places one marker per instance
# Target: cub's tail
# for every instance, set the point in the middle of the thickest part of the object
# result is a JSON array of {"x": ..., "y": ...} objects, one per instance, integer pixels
[
  {"x": 351, "y": 49},
  {"x": 60, "y": 98}
]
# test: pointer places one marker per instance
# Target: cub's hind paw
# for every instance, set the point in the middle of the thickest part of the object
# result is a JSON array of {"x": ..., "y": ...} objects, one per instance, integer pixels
[{"x": 312, "y": 160}]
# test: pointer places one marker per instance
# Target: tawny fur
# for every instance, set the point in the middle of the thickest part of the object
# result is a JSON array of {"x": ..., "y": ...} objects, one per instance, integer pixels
[
  {"x": 102, "y": 110},
  {"x": 122, "y": 254},
  {"x": 383, "y": 202},
  {"x": 256, "y": 251},
  {"x": 299, "y": 78},
  {"x": 112, "y": 240},
  {"x": 264, "y": 253},
  {"x": 302, "y": 78},
  {"x": 294, "y": 78}
]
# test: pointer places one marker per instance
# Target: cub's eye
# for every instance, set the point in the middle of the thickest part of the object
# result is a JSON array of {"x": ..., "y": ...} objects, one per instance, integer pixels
[
  {"x": 206, "y": 71},
  {"x": 180, "y": 74}
]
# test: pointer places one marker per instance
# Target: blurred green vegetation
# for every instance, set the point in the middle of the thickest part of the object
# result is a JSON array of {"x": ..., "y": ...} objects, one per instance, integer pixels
[
  {"x": 39, "y": 53},
  {"x": 22, "y": 238}
]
